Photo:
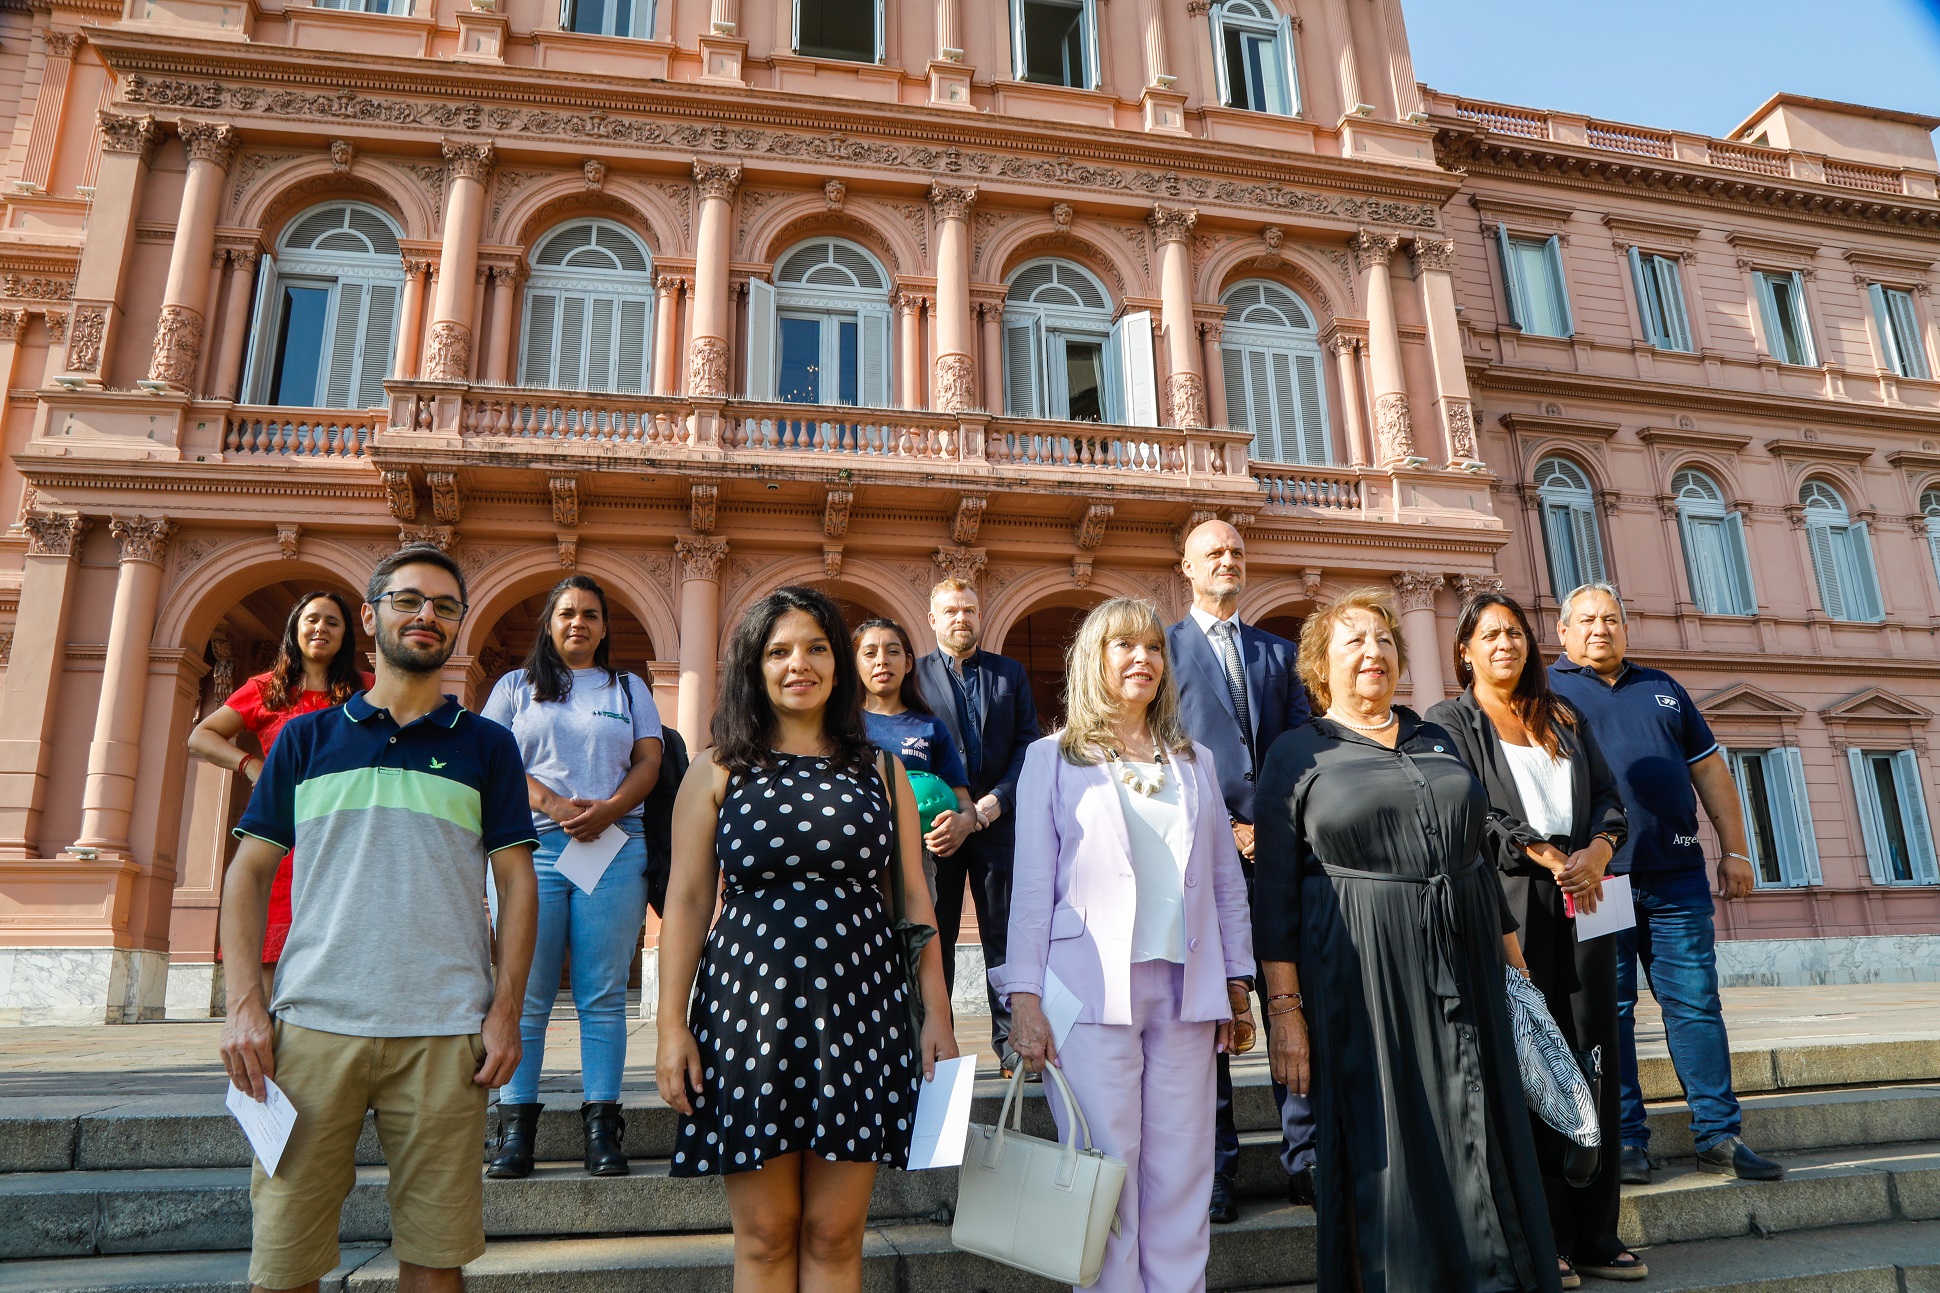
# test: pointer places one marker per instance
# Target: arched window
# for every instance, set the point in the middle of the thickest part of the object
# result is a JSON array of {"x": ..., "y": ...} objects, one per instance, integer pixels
[
  {"x": 1253, "y": 48},
  {"x": 1065, "y": 359},
  {"x": 1715, "y": 554},
  {"x": 1270, "y": 348},
  {"x": 1569, "y": 526},
  {"x": 1930, "y": 508},
  {"x": 820, "y": 333},
  {"x": 325, "y": 327},
  {"x": 588, "y": 310},
  {"x": 1842, "y": 555}
]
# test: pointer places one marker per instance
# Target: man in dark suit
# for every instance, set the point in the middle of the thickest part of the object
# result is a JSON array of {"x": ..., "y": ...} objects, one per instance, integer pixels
[
  {"x": 985, "y": 702},
  {"x": 1239, "y": 689}
]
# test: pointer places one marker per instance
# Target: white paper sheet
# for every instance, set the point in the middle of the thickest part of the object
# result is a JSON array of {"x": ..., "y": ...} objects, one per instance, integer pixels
[
  {"x": 1615, "y": 911},
  {"x": 943, "y": 1115},
  {"x": 266, "y": 1122},
  {"x": 1061, "y": 1007},
  {"x": 584, "y": 864}
]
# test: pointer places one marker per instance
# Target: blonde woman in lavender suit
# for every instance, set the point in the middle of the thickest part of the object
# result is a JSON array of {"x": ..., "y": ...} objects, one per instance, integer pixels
[{"x": 1128, "y": 888}]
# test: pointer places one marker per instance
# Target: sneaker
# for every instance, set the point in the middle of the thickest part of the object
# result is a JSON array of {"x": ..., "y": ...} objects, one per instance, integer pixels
[
  {"x": 1732, "y": 1157},
  {"x": 1633, "y": 1166}
]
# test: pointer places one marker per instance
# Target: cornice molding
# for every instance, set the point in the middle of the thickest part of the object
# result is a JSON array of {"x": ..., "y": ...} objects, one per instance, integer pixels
[
  {"x": 1539, "y": 425},
  {"x": 1645, "y": 231},
  {"x": 1886, "y": 265},
  {"x": 1689, "y": 438},
  {"x": 1764, "y": 244},
  {"x": 1817, "y": 451},
  {"x": 1913, "y": 460},
  {"x": 1494, "y": 208}
]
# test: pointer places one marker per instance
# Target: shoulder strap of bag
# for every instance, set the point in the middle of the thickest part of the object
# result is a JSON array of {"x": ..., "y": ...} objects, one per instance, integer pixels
[{"x": 895, "y": 840}]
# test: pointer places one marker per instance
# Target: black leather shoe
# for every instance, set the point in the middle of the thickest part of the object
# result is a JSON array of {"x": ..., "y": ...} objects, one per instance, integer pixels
[
  {"x": 1732, "y": 1157},
  {"x": 1224, "y": 1211},
  {"x": 1300, "y": 1188},
  {"x": 605, "y": 1128},
  {"x": 1633, "y": 1168},
  {"x": 518, "y": 1130}
]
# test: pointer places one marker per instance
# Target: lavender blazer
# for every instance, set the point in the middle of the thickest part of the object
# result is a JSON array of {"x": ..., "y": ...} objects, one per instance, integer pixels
[{"x": 1072, "y": 900}]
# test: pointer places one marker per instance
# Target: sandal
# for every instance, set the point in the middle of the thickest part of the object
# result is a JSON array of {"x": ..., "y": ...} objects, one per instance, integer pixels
[
  {"x": 1566, "y": 1274},
  {"x": 1626, "y": 1265}
]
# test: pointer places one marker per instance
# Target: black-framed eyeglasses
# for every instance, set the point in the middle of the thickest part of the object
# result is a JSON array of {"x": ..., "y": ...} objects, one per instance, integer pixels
[{"x": 409, "y": 602}]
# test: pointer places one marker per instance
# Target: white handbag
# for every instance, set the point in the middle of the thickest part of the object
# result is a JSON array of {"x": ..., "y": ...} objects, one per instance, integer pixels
[{"x": 1038, "y": 1205}]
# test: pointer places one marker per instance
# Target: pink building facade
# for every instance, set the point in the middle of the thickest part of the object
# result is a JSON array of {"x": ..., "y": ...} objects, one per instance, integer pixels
[{"x": 704, "y": 296}]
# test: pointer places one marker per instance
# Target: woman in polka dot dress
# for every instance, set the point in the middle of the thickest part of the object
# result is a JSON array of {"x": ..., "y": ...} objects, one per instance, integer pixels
[{"x": 795, "y": 1074}]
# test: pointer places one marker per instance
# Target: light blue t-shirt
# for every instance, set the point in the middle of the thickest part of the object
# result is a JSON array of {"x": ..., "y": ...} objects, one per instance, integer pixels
[{"x": 580, "y": 747}]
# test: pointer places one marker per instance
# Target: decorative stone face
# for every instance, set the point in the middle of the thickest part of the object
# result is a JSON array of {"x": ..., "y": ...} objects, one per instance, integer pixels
[
  {"x": 834, "y": 193},
  {"x": 342, "y": 154},
  {"x": 1061, "y": 217},
  {"x": 716, "y": 179},
  {"x": 595, "y": 172},
  {"x": 1415, "y": 590},
  {"x": 178, "y": 343},
  {"x": 952, "y": 202},
  {"x": 1188, "y": 393},
  {"x": 1461, "y": 431},
  {"x": 54, "y": 534},
  {"x": 142, "y": 538},
  {"x": 1394, "y": 432},
  {"x": 956, "y": 383},
  {"x": 1172, "y": 224},
  {"x": 447, "y": 351},
  {"x": 84, "y": 339},
  {"x": 210, "y": 141},
  {"x": 700, "y": 557},
  {"x": 469, "y": 161},
  {"x": 707, "y": 367}
]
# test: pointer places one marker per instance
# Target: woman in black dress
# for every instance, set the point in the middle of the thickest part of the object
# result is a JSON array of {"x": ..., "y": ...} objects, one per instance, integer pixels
[
  {"x": 1555, "y": 821},
  {"x": 1370, "y": 891},
  {"x": 794, "y": 1071}
]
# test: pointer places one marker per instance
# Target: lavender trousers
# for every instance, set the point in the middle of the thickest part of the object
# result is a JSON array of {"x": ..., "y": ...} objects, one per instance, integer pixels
[{"x": 1147, "y": 1090}]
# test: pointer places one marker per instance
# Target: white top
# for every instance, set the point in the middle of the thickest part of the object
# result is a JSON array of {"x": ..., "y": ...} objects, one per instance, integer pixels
[
  {"x": 1545, "y": 786},
  {"x": 1156, "y": 826},
  {"x": 582, "y": 746}
]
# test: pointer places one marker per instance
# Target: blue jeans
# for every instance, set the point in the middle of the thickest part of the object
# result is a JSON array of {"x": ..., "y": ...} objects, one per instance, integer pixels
[
  {"x": 603, "y": 929},
  {"x": 1675, "y": 941}
]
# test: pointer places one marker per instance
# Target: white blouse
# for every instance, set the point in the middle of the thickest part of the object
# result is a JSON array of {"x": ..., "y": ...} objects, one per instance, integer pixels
[
  {"x": 1156, "y": 826},
  {"x": 1545, "y": 786}
]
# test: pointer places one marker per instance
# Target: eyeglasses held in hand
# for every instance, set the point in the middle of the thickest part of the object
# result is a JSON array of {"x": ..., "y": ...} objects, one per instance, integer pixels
[{"x": 410, "y": 602}]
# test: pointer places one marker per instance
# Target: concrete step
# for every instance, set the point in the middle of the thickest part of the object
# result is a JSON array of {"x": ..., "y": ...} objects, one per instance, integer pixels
[
  {"x": 1900, "y": 1258},
  {"x": 1800, "y": 1067}
]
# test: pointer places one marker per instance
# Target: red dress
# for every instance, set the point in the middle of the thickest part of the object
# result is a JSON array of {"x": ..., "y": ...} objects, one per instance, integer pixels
[{"x": 265, "y": 723}]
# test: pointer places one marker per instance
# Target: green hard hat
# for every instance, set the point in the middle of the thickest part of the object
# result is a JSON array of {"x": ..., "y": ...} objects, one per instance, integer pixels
[{"x": 933, "y": 796}]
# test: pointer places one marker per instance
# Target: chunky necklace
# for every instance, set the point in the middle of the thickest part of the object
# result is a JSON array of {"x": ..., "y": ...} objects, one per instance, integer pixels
[
  {"x": 1137, "y": 784},
  {"x": 1381, "y": 726}
]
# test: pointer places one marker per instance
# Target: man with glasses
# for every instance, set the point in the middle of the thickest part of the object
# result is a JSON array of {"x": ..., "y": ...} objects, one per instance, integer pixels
[{"x": 385, "y": 998}]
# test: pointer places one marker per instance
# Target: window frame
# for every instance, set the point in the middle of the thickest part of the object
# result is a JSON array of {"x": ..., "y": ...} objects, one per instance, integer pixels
[
  {"x": 1658, "y": 280},
  {"x": 388, "y": 8},
  {"x": 1782, "y": 773},
  {"x": 795, "y": 37},
  {"x": 1915, "y": 823},
  {"x": 1130, "y": 396},
  {"x": 1296, "y": 343},
  {"x": 1088, "y": 18},
  {"x": 1516, "y": 292},
  {"x": 867, "y": 307},
  {"x": 1279, "y": 30},
  {"x": 1768, "y": 282},
  {"x": 373, "y": 350},
  {"x": 1901, "y": 338},
  {"x": 1841, "y": 551},
  {"x": 1736, "y": 591},
  {"x": 1568, "y": 514},
  {"x": 621, "y": 286}
]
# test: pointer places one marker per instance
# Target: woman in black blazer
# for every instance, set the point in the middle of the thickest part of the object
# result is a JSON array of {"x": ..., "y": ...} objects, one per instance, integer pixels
[{"x": 1555, "y": 821}]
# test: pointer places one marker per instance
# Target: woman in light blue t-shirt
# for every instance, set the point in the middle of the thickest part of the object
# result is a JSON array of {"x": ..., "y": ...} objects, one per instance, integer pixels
[{"x": 590, "y": 738}]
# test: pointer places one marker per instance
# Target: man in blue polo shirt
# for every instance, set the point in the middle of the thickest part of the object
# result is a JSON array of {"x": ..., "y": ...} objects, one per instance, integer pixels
[
  {"x": 1665, "y": 760},
  {"x": 385, "y": 998}
]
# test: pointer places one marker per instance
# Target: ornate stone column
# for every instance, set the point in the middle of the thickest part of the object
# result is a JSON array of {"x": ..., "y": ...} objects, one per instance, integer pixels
[
  {"x": 700, "y": 633},
  {"x": 1185, "y": 384},
  {"x": 235, "y": 323},
  {"x": 1347, "y": 370},
  {"x": 448, "y": 341},
  {"x": 909, "y": 347},
  {"x": 1217, "y": 414},
  {"x": 211, "y": 147},
  {"x": 992, "y": 315},
  {"x": 666, "y": 334},
  {"x": 410, "y": 319},
  {"x": 498, "y": 349},
  {"x": 127, "y": 145},
  {"x": 49, "y": 104},
  {"x": 954, "y": 387},
  {"x": 1434, "y": 260},
  {"x": 109, "y": 796},
  {"x": 30, "y": 695},
  {"x": 1415, "y": 594},
  {"x": 211, "y": 303},
  {"x": 707, "y": 357},
  {"x": 1394, "y": 436}
]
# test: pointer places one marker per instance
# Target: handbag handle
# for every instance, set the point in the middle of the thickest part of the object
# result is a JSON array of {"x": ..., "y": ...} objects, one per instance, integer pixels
[{"x": 1011, "y": 1118}]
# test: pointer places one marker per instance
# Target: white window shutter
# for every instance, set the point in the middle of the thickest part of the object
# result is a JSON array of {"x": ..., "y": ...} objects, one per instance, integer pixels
[
  {"x": 1511, "y": 282},
  {"x": 1313, "y": 410},
  {"x": 1259, "y": 400},
  {"x": 1738, "y": 553},
  {"x": 633, "y": 343},
  {"x": 1801, "y": 815},
  {"x": 1933, "y": 543},
  {"x": 1823, "y": 543},
  {"x": 1811, "y": 356},
  {"x": 761, "y": 339},
  {"x": 873, "y": 380},
  {"x": 263, "y": 341},
  {"x": 1913, "y": 804},
  {"x": 541, "y": 339},
  {"x": 600, "y": 322},
  {"x": 1888, "y": 343},
  {"x": 795, "y": 31},
  {"x": 1222, "y": 74},
  {"x": 879, "y": 56},
  {"x": 374, "y": 361},
  {"x": 340, "y": 345},
  {"x": 1023, "y": 362},
  {"x": 1646, "y": 305},
  {"x": 1553, "y": 252},
  {"x": 1865, "y": 601},
  {"x": 1739, "y": 761},
  {"x": 1290, "y": 102},
  {"x": 1132, "y": 338},
  {"x": 565, "y": 15},
  {"x": 1019, "y": 69},
  {"x": 572, "y": 342},
  {"x": 1564, "y": 575},
  {"x": 1768, "y": 311},
  {"x": 1695, "y": 567},
  {"x": 1089, "y": 80},
  {"x": 1286, "y": 411},
  {"x": 1871, "y": 825},
  {"x": 1239, "y": 413},
  {"x": 1677, "y": 323},
  {"x": 1906, "y": 326},
  {"x": 1589, "y": 548}
]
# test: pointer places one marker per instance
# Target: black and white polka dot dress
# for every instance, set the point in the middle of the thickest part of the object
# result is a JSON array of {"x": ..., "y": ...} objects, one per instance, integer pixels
[{"x": 798, "y": 1007}]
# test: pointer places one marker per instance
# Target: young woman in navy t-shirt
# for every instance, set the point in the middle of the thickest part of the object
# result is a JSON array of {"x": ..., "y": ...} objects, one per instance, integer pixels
[{"x": 901, "y": 723}]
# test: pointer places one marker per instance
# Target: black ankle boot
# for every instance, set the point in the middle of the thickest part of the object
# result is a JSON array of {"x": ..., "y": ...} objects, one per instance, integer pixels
[
  {"x": 518, "y": 1130},
  {"x": 605, "y": 1128}
]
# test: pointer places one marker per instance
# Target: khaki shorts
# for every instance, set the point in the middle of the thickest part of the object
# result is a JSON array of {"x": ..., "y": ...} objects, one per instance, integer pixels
[{"x": 431, "y": 1122}]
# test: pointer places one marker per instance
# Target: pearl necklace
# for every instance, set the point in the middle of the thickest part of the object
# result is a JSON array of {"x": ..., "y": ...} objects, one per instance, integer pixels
[
  {"x": 1381, "y": 726},
  {"x": 1136, "y": 783}
]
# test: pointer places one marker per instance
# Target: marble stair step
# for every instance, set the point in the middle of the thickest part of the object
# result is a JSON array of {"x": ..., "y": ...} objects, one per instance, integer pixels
[{"x": 1901, "y": 1257}]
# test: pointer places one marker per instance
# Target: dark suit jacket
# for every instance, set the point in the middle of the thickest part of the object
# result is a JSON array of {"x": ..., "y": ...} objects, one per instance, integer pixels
[
  {"x": 1008, "y": 725},
  {"x": 1275, "y": 701},
  {"x": 1596, "y": 808}
]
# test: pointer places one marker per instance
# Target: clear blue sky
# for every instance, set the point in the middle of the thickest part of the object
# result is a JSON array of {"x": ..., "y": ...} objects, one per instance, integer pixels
[{"x": 1699, "y": 65}]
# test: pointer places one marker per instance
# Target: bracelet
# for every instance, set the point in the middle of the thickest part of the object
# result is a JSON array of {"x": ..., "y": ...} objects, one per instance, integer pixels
[
  {"x": 243, "y": 766},
  {"x": 1294, "y": 997},
  {"x": 1290, "y": 1010},
  {"x": 1741, "y": 857}
]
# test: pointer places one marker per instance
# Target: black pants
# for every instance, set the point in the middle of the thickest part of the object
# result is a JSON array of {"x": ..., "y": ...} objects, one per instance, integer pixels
[
  {"x": 1585, "y": 1220},
  {"x": 986, "y": 868}
]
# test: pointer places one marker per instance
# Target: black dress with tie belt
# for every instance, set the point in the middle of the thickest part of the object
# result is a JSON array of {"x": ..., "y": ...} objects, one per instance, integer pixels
[{"x": 1370, "y": 877}]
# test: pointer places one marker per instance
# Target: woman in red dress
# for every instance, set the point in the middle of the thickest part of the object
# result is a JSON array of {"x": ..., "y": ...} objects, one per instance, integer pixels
[{"x": 315, "y": 668}]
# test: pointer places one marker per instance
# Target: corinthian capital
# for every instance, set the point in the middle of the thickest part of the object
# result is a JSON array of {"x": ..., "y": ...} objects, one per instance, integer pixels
[
  {"x": 210, "y": 141},
  {"x": 470, "y": 161},
  {"x": 1172, "y": 224},
  {"x": 1371, "y": 248},
  {"x": 716, "y": 179},
  {"x": 1433, "y": 253},
  {"x": 121, "y": 133},
  {"x": 61, "y": 44},
  {"x": 1415, "y": 590},
  {"x": 700, "y": 557},
  {"x": 54, "y": 534},
  {"x": 952, "y": 201},
  {"x": 142, "y": 538}
]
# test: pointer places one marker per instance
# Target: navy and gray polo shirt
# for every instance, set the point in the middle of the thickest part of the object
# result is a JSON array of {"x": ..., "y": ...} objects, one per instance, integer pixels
[
  {"x": 390, "y": 829},
  {"x": 1650, "y": 731}
]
